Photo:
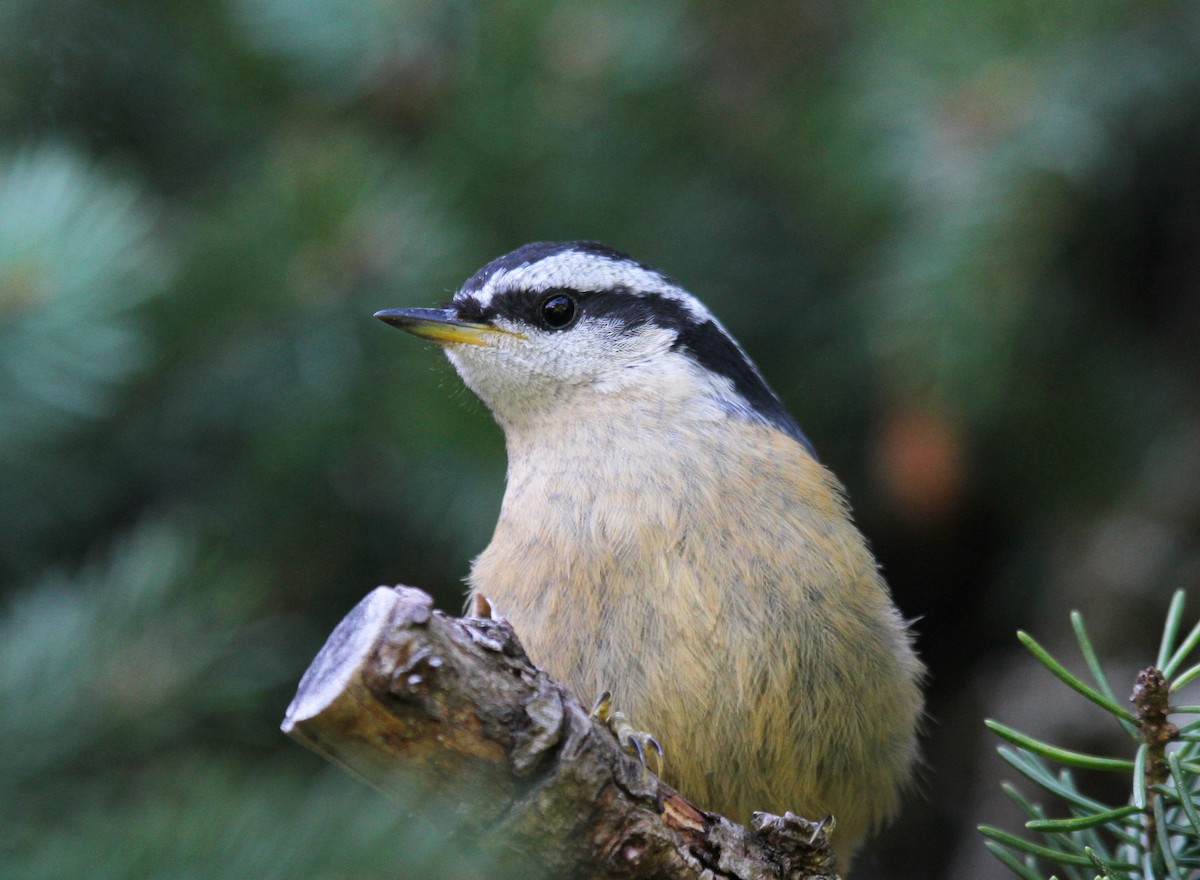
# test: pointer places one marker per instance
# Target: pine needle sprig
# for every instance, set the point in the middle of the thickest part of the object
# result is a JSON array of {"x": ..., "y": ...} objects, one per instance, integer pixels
[{"x": 1156, "y": 834}]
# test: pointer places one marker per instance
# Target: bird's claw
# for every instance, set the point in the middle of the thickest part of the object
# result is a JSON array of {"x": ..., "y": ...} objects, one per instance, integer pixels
[
  {"x": 827, "y": 825},
  {"x": 637, "y": 743},
  {"x": 481, "y": 606}
]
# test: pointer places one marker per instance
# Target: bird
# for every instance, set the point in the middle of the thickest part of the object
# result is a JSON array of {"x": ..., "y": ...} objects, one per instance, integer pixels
[{"x": 669, "y": 537}]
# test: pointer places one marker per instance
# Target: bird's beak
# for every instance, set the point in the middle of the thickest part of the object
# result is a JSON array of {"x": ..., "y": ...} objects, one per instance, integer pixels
[{"x": 441, "y": 326}]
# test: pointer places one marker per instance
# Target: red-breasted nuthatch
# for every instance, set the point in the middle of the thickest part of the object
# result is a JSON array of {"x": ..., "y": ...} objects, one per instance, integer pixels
[{"x": 668, "y": 534}]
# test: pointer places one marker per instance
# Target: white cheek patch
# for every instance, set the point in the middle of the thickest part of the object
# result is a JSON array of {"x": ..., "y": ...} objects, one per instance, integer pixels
[
  {"x": 634, "y": 348},
  {"x": 579, "y": 270},
  {"x": 594, "y": 351},
  {"x": 602, "y": 353}
]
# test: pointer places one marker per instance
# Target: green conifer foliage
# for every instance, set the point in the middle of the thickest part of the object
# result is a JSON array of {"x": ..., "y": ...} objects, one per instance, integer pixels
[{"x": 1156, "y": 832}]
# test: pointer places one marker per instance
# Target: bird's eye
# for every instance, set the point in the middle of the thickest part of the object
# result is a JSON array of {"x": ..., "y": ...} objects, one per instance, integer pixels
[{"x": 558, "y": 311}]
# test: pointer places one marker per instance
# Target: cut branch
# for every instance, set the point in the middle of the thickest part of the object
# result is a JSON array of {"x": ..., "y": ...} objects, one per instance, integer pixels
[{"x": 402, "y": 692}]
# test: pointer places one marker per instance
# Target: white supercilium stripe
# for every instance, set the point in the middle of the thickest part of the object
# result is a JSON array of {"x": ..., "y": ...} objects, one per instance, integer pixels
[{"x": 584, "y": 271}]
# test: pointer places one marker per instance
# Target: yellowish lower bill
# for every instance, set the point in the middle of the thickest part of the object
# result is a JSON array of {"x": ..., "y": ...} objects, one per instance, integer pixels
[{"x": 467, "y": 334}]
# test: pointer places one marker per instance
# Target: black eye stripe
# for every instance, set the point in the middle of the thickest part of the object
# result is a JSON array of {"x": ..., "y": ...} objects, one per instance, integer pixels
[
  {"x": 622, "y": 305},
  {"x": 468, "y": 309}
]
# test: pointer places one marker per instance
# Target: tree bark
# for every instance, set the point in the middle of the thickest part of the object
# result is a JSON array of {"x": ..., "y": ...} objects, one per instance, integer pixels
[{"x": 401, "y": 692}]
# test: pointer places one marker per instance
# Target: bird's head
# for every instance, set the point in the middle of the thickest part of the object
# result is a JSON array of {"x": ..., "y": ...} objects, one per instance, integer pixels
[{"x": 559, "y": 326}]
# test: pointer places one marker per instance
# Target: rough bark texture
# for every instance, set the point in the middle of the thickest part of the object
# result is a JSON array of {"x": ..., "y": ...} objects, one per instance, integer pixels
[{"x": 401, "y": 691}]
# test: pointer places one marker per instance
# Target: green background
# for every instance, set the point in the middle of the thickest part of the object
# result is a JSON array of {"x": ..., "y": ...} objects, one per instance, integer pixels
[{"x": 962, "y": 241}]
